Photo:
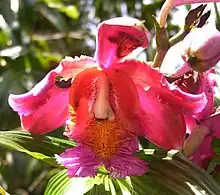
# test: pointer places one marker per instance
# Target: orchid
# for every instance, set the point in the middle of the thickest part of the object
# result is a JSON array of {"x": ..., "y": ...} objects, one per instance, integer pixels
[{"x": 108, "y": 102}]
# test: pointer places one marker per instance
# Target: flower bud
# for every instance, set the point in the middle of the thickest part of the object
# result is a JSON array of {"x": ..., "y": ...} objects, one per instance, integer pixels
[{"x": 202, "y": 50}]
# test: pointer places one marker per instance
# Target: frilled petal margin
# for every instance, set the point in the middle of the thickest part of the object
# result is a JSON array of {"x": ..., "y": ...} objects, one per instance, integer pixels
[
  {"x": 81, "y": 161},
  {"x": 117, "y": 38},
  {"x": 125, "y": 163},
  {"x": 45, "y": 107}
]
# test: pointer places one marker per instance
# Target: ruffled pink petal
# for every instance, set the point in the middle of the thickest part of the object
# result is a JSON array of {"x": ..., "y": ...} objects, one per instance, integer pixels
[
  {"x": 147, "y": 77},
  {"x": 45, "y": 107},
  {"x": 117, "y": 38},
  {"x": 80, "y": 161},
  {"x": 125, "y": 163},
  {"x": 162, "y": 124},
  {"x": 70, "y": 67},
  {"x": 204, "y": 153}
]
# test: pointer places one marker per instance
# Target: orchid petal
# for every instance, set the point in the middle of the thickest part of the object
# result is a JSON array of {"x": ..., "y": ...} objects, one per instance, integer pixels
[
  {"x": 45, "y": 107},
  {"x": 117, "y": 38},
  {"x": 162, "y": 124},
  {"x": 69, "y": 67},
  {"x": 140, "y": 72},
  {"x": 36, "y": 107},
  {"x": 191, "y": 124},
  {"x": 80, "y": 161},
  {"x": 125, "y": 163}
]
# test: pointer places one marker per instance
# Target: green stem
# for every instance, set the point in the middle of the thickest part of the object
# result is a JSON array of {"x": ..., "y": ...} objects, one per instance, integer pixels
[
  {"x": 178, "y": 37},
  {"x": 217, "y": 16}
]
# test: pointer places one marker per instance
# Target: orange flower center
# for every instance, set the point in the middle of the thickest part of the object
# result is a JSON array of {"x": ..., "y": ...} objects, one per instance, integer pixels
[{"x": 104, "y": 137}]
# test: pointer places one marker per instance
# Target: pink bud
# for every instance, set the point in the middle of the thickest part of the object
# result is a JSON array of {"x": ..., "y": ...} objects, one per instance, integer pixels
[{"x": 202, "y": 50}]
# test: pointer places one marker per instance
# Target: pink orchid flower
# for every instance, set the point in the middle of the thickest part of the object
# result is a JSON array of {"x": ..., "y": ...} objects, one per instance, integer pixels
[
  {"x": 203, "y": 126},
  {"x": 109, "y": 102}
]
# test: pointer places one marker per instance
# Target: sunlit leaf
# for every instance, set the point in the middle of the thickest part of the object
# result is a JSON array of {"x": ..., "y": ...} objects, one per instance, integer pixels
[
  {"x": 61, "y": 184},
  {"x": 3, "y": 192},
  {"x": 69, "y": 10}
]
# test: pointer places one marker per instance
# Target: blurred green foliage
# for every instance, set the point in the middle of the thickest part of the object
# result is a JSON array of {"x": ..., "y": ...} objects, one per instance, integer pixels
[{"x": 34, "y": 36}]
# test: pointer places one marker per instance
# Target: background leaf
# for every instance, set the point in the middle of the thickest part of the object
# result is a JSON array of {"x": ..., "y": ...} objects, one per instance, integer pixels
[{"x": 39, "y": 147}]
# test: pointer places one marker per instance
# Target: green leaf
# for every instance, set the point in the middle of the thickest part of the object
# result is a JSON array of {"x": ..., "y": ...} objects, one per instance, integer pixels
[
  {"x": 3, "y": 39},
  {"x": 54, "y": 17},
  {"x": 3, "y": 192},
  {"x": 70, "y": 10},
  {"x": 39, "y": 147},
  {"x": 180, "y": 175},
  {"x": 61, "y": 184}
]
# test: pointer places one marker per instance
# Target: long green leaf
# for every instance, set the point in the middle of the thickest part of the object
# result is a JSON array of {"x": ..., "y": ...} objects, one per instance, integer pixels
[{"x": 39, "y": 147}]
